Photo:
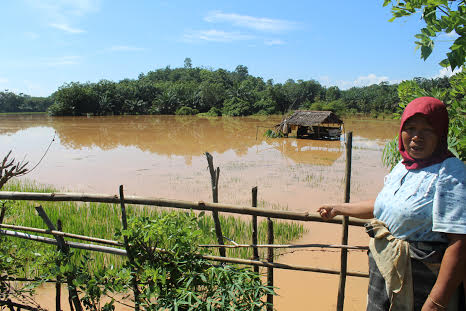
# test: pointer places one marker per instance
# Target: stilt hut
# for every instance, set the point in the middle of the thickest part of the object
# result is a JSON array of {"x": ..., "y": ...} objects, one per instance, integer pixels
[{"x": 312, "y": 124}]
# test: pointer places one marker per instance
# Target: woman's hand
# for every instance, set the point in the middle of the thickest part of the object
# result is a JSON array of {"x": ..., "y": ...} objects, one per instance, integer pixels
[
  {"x": 362, "y": 210},
  {"x": 328, "y": 211}
]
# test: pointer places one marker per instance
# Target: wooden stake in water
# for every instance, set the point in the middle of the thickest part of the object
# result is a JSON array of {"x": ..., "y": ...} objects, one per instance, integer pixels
[
  {"x": 255, "y": 251},
  {"x": 72, "y": 292},
  {"x": 214, "y": 177},
  {"x": 124, "y": 222},
  {"x": 344, "y": 237}
]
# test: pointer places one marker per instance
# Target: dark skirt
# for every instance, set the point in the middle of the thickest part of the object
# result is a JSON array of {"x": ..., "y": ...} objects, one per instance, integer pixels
[{"x": 423, "y": 281}]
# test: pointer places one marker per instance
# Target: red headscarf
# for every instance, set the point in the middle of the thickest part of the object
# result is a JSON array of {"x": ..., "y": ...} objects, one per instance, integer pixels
[{"x": 436, "y": 113}]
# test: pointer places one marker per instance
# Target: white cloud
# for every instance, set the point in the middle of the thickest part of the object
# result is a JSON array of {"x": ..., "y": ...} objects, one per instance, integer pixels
[
  {"x": 64, "y": 60},
  {"x": 3, "y": 80},
  {"x": 449, "y": 35},
  {"x": 35, "y": 89},
  {"x": 61, "y": 14},
  {"x": 256, "y": 23},
  {"x": 274, "y": 42},
  {"x": 446, "y": 72},
  {"x": 125, "y": 48},
  {"x": 358, "y": 82},
  {"x": 369, "y": 80},
  {"x": 216, "y": 36},
  {"x": 67, "y": 28}
]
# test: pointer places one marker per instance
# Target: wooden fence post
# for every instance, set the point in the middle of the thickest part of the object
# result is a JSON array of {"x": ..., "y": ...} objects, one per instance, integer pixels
[
  {"x": 72, "y": 292},
  {"x": 214, "y": 176},
  {"x": 2, "y": 213},
  {"x": 270, "y": 240},
  {"x": 344, "y": 237},
  {"x": 124, "y": 222},
  {"x": 255, "y": 251},
  {"x": 58, "y": 284}
]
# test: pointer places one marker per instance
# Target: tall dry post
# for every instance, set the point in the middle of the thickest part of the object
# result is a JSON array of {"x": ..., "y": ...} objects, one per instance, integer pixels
[
  {"x": 124, "y": 222},
  {"x": 344, "y": 237},
  {"x": 214, "y": 176},
  {"x": 254, "y": 229},
  {"x": 72, "y": 292}
]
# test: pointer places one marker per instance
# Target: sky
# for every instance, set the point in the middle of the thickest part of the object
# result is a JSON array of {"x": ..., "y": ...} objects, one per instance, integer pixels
[{"x": 45, "y": 44}]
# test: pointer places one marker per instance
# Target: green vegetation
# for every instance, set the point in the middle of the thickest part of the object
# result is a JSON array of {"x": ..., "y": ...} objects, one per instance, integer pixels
[
  {"x": 272, "y": 134},
  {"x": 440, "y": 16},
  {"x": 190, "y": 91},
  {"x": 174, "y": 279},
  {"x": 10, "y": 102},
  {"x": 177, "y": 279},
  {"x": 103, "y": 220}
]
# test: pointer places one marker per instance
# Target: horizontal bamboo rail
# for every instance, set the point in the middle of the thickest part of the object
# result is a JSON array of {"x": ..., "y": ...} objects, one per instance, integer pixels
[
  {"x": 314, "y": 245},
  {"x": 117, "y": 243},
  {"x": 200, "y": 205},
  {"x": 63, "y": 234},
  {"x": 122, "y": 252}
]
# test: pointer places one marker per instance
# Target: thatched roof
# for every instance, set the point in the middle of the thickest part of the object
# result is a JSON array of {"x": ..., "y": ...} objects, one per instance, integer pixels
[{"x": 310, "y": 118}]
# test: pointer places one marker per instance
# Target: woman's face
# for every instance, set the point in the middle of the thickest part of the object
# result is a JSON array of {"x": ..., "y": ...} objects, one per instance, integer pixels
[{"x": 419, "y": 137}]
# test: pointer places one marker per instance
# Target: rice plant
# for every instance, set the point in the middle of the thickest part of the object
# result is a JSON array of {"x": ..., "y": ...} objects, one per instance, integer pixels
[{"x": 103, "y": 220}]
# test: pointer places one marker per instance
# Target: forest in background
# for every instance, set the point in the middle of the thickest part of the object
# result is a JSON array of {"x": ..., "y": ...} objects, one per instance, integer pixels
[{"x": 189, "y": 91}]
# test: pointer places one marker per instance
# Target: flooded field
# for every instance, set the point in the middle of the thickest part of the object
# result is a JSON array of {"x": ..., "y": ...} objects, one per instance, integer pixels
[{"x": 163, "y": 156}]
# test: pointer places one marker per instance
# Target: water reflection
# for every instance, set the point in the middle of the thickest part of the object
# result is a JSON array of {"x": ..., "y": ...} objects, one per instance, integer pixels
[
  {"x": 188, "y": 136},
  {"x": 173, "y": 135}
]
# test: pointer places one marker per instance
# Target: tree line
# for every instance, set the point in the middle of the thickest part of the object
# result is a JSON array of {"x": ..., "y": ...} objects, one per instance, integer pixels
[
  {"x": 187, "y": 91},
  {"x": 11, "y": 102}
]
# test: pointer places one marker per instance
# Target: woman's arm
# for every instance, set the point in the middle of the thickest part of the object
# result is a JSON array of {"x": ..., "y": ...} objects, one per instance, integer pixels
[
  {"x": 452, "y": 272},
  {"x": 363, "y": 210}
]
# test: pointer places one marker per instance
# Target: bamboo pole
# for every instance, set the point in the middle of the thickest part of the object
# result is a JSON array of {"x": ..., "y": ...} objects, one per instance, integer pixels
[
  {"x": 360, "y": 248},
  {"x": 117, "y": 243},
  {"x": 200, "y": 205},
  {"x": 77, "y": 245},
  {"x": 72, "y": 292},
  {"x": 214, "y": 177},
  {"x": 270, "y": 239},
  {"x": 344, "y": 236},
  {"x": 63, "y": 234},
  {"x": 255, "y": 251},
  {"x": 122, "y": 252},
  {"x": 124, "y": 222}
]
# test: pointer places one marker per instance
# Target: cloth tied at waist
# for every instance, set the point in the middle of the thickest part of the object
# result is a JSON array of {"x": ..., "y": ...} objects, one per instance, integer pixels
[{"x": 393, "y": 260}]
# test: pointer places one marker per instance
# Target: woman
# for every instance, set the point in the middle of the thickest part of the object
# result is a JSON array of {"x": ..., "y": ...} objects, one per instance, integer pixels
[{"x": 417, "y": 257}]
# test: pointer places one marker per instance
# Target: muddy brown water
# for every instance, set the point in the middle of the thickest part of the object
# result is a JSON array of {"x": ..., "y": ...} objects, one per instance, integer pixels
[{"x": 163, "y": 156}]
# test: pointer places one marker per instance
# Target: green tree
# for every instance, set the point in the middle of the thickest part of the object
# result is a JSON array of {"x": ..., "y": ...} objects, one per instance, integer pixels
[
  {"x": 440, "y": 16},
  {"x": 188, "y": 63}
]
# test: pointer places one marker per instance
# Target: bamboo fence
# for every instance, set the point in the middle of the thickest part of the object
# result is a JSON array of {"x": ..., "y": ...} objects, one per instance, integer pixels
[{"x": 118, "y": 248}]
